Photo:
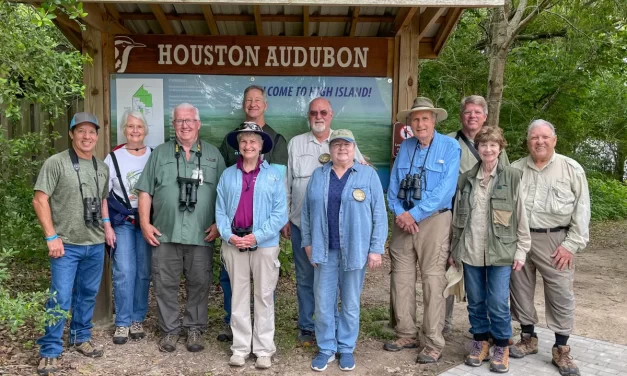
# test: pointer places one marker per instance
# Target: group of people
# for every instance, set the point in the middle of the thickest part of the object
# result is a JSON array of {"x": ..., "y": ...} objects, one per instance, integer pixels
[{"x": 457, "y": 205}]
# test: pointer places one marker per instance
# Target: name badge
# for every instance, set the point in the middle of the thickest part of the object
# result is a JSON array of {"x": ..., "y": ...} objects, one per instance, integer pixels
[
  {"x": 197, "y": 174},
  {"x": 359, "y": 195},
  {"x": 324, "y": 158}
]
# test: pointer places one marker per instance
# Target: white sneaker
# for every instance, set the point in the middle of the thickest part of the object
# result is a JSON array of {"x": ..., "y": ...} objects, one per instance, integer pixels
[
  {"x": 238, "y": 360},
  {"x": 263, "y": 362}
]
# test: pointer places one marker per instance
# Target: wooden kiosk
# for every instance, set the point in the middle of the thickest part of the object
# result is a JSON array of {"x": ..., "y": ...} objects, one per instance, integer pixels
[{"x": 349, "y": 38}]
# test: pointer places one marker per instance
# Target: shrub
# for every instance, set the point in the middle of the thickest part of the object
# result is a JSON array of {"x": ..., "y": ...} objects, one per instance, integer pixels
[{"x": 608, "y": 199}]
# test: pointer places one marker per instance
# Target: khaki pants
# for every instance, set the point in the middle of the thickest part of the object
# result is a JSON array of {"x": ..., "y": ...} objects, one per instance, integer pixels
[
  {"x": 430, "y": 248},
  {"x": 264, "y": 265},
  {"x": 558, "y": 286}
]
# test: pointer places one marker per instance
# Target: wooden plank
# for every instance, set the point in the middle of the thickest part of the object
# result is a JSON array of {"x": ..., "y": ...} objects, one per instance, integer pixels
[
  {"x": 161, "y": 18},
  {"x": 354, "y": 21},
  {"x": 108, "y": 64},
  {"x": 258, "y": 24},
  {"x": 408, "y": 65},
  {"x": 210, "y": 19},
  {"x": 446, "y": 28},
  {"x": 251, "y": 17},
  {"x": 428, "y": 18},
  {"x": 390, "y": 58},
  {"x": 425, "y": 50},
  {"x": 306, "y": 21},
  {"x": 112, "y": 10},
  {"x": 73, "y": 37},
  {"x": 403, "y": 18},
  {"x": 373, "y": 3},
  {"x": 98, "y": 20}
]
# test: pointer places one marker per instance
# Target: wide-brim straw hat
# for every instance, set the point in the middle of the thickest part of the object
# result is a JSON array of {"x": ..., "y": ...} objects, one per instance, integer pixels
[
  {"x": 423, "y": 104},
  {"x": 249, "y": 126}
]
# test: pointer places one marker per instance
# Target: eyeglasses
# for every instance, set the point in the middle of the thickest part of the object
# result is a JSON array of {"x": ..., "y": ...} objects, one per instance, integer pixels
[
  {"x": 180, "y": 122},
  {"x": 467, "y": 113},
  {"x": 323, "y": 113}
]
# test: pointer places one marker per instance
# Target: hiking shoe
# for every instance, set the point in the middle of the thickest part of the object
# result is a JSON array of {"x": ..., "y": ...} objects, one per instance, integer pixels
[
  {"x": 528, "y": 344},
  {"x": 120, "y": 336},
  {"x": 168, "y": 342},
  {"x": 500, "y": 360},
  {"x": 428, "y": 355},
  {"x": 564, "y": 362},
  {"x": 195, "y": 341},
  {"x": 137, "y": 330},
  {"x": 306, "y": 337},
  {"x": 448, "y": 329},
  {"x": 347, "y": 362},
  {"x": 401, "y": 343},
  {"x": 263, "y": 362},
  {"x": 88, "y": 349},
  {"x": 238, "y": 360},
  {"x": 319, "y": 363},
  {"x": 479, "y": 352},
  {"x": 226, "y": 334},
  {"x": 47, "y": 366}
]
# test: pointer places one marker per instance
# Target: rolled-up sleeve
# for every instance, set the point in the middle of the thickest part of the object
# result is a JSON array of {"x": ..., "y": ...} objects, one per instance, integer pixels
[
  {"x": 522, "y": 232},
  {"x": 579, "y": 232}
]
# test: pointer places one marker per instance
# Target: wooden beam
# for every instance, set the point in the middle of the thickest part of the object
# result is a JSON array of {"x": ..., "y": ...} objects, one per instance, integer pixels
[
  {"x": 408, "y": 65},
  {"x": 425, "y": 51},
  {"x": 251, "y": 18},
  {"x": 63, "y": 19},
  {"x": 210, "y": 19},
  {"x": 72, "y": 36},
  {"x": 403, "y": 18},
  {"x": 258, "y": 24},
  {"x": 446, "y": 28},
  {"x": 428, "y": 18},
  {"x": 363, "y": 3},
  {"x": 306, "y": 21},
  {"x": 113, "y": 11},
  {"x": 100, "y": 21},
  {"x": 161, "y": 18},
  {"x": 354, "y": 21}
]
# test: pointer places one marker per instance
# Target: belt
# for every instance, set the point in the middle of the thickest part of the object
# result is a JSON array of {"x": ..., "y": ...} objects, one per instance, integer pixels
[{"x": 547, "y": 230}]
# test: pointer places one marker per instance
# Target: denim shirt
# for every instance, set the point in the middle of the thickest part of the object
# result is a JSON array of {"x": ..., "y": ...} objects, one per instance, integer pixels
[
  {"x": 363, "y": 224},
  {"x": 269, "y": 204},
  {"x": 441, "y": 173}
]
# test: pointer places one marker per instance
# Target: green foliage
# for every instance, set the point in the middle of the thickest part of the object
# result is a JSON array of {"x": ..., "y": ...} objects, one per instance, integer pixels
[
  {"x": 608, "y": 199},
  {"x": 46, "y": 12}
]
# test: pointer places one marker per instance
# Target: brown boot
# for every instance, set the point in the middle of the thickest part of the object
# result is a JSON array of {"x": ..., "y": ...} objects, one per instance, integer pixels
[
  {"x": 564, "y": 362},
  {"x": 479, "y": 352},
  {"x": 528, "y": 344},
  {"x": 428, "y": 355},
  {"x": 401, "y": 343},
  {"x": 500, "y": 360}
]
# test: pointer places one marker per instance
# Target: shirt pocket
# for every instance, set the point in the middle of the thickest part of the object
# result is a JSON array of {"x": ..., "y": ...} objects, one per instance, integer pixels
[
  {"x": 562, "y": 198},
  {"x": 166, "y": 172},
  {"x": 304, "y": 165},
  {"x": 209, "y": 168},
  {"x": 462, "y": 208},
  {"x": 502, "y": 213},
  {"x": 434, "y": 172}
]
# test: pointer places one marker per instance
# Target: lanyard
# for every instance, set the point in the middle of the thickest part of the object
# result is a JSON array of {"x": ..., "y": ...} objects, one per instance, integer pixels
[
  {"x": 422, "y": 168},
  {"x": 177, "y": 155},
  {"x": 75, "y": 164}
]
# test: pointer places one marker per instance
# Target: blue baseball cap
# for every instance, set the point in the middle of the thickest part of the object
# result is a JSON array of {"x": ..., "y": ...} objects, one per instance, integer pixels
[{"x": 84, "y": 117}]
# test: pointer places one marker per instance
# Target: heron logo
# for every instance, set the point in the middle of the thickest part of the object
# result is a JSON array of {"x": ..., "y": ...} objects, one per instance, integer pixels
[{"x": 123, "y": 47}]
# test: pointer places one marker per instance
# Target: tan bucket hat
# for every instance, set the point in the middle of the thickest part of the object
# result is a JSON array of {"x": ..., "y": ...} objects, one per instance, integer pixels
[
  {"x": 423, "y": 104},
  {"x": 455, "y": 283}
]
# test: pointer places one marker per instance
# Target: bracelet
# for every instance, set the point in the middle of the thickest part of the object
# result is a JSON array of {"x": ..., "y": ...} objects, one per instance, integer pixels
[
  {"x": 105, "y": 220},
  {"x": 51, "y": 238}
]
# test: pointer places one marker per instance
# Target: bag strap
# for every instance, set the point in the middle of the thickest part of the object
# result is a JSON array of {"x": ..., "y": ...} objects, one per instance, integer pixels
[
  {"x": 127, "y": 202},
  {"x": 470, "y": 146}
]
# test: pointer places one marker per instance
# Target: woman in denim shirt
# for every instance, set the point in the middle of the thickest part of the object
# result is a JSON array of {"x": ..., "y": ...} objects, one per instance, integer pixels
[
  {"x": 251, "y": 209},
  {"x": 344, "y": 226}
]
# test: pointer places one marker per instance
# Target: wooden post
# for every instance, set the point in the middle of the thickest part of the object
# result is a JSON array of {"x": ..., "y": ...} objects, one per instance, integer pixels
[{"x": 408, "y": 65}]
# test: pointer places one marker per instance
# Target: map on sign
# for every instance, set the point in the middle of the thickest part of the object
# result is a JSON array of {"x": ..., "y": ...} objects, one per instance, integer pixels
[
  {"x": 144, "y": 95},
  {"x": 142, "y": 102}
]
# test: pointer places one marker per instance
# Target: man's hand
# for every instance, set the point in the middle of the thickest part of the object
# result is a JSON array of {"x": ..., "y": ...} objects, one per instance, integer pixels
[
  {"x": 374, "y": 260},
  {"x": 212, "y": 233},
  {"x": 109, "y": 235},
  {"x": 55, "y": 248},
  {"x": 149, "y": 231},
  {"x": 562, "y": 258},
  {"x": 308, "y": 251},
  {"x": 406, "y": 222},
  {"x": 286, "y": 231},
  {"x": 518, "y": 265},
  {"x": 451, "y": 261}
]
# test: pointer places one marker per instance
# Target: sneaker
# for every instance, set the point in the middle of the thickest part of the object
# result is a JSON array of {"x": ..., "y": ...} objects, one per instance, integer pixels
[
  {"x": 263, "y": 362},
  {"x": 447, "y": 330},
  {"x": 500, "y": 360},
  {"x": 47, "y": 366},
  {"x": 120, "y": 336},
  {"x": 238, "y": 360},
  {"x": 319, "y": 363},
  {"x": 306, "y": 337},
  {"x": 528, "y": 344},
  {"x": 401, "y": 343},
  {"x": 428, "y": 355},
  {"x": 347, "y": 362},
  {"x": 479, "y": 352},
  {"x": 88, "y": 349},
  {"x": 168, "y": 342},
  {"x": 137, "y": 330},
  {"x": 195, "y": 341},
  {"x": 226, "y": 334},
  {"x": 564, "y": 362}
]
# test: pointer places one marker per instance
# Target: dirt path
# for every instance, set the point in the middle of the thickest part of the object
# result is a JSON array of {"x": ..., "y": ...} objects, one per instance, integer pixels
[{"x": 600, "y": 286}]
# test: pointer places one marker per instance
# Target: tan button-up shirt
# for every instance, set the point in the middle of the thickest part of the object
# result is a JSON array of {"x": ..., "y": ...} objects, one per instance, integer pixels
[
  {"x": 468, "y": 159},
  {"x": 476, "y": 239},
  {"x": 557, "y": 195},
  {"x": 303, "y": 152}
]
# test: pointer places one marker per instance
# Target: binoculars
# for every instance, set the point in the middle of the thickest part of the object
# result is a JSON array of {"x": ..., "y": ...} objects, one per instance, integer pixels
[
  {"x": 91, "y": 211},
  {"x": 411, "y": 182},
  {"x": 241, "y": 232},
  {"x": 188, "y": 193}
]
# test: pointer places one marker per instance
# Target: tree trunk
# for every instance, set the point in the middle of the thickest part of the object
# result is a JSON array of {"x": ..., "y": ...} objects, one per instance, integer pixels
[
  {"x": 621, "y": 157},
  {"x": 497, "y": 53}
]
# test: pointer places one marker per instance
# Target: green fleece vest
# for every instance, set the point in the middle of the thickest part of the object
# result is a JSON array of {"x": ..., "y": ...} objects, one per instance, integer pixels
[{"x": 502, "y": 215}]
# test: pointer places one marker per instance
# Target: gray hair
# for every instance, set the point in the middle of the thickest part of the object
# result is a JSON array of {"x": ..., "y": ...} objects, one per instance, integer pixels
[
  {"x": 538, "y": 123},
  {"x": 259, "y": 138},
  {"x": 255, "y": 87},
  {"x": 136, "y": 115},
  {"x": 185, "y": 106},
  {"x": 474, "y": 99},
  {"x": 315, "y": 99}
]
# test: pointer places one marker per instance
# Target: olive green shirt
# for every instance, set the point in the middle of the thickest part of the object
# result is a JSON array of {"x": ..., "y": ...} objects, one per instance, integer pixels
[
  {"x": 468, "y": 159},
  {"x": 278, "y": 154},
  {"x": 59, "y": 181},
  {"x": 159, "y": 180}
]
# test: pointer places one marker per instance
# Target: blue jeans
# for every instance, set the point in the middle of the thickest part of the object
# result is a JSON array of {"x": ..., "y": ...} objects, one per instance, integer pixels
[
  {"x": 75, "y": 282},
  {"x": 131, "y": 275},
  {"x": 304, "y": 282},
  {"x": 225, "y": 283},
  {"x": 487, "y": 288},
  {"x": 327, "y": 279}
]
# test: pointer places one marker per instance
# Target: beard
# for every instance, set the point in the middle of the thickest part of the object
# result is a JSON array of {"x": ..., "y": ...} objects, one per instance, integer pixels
[{"x": 318, "y": 127}]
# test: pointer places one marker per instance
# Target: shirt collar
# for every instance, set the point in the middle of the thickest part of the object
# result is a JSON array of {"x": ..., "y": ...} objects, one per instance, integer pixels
[
  {"x": 313, "y": 138},
  {"x": 492, "y": 173},
  {"x": 240, "y": 165},
  {"x": 531, "y": 164}
]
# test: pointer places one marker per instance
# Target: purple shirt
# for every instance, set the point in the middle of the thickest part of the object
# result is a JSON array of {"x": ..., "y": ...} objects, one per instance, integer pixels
[{"x": 244, "y": 212}]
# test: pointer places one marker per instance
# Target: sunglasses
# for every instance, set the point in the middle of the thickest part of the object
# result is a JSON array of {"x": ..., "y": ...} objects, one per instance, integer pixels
[{"x": 323, "y": 113}]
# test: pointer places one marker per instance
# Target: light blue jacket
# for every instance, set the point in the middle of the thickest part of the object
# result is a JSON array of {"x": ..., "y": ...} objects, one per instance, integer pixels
[
  {"x": 269, "y": 204},
  {"x": 363, "y": 224}
]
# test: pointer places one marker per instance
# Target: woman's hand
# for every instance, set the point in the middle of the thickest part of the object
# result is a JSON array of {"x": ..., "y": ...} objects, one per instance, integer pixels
[
  {"x": 518, "y": 265},
  {"x": 308, "y": 251},
  {"x": 374, "y": 260},
  {"x": 451, "y": 261}
]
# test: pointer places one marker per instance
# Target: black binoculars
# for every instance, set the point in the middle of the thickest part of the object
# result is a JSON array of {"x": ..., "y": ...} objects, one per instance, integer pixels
[
  {"x": 241, "y": 232},
  {"x": 188, "y": 193},
  {"x": 411, "y": 182},
  {"x": 91, "y": 211}
]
